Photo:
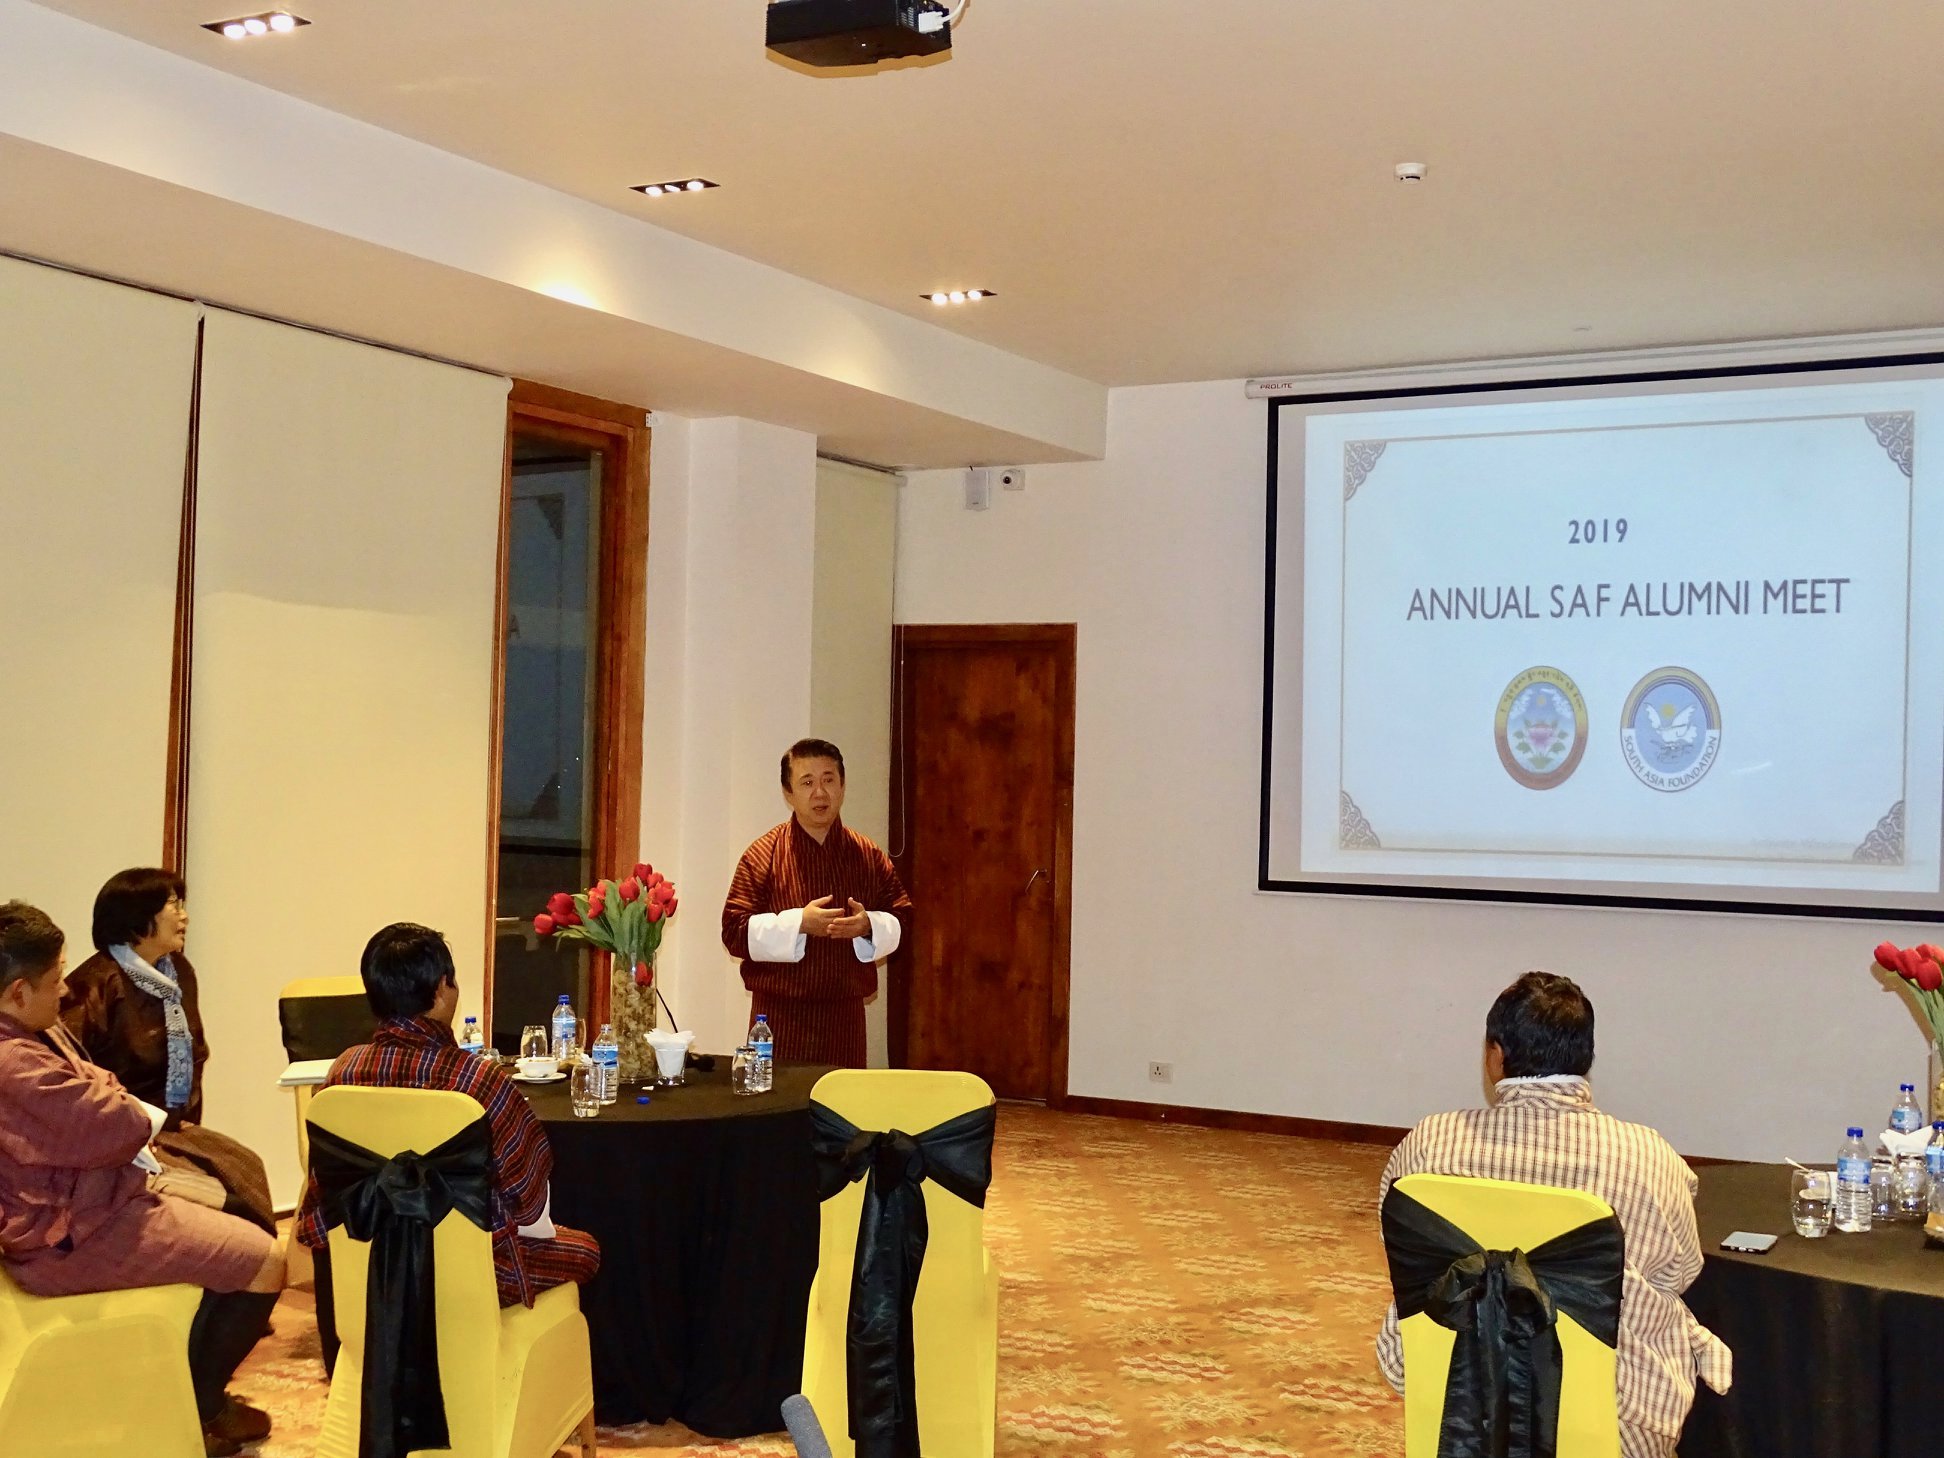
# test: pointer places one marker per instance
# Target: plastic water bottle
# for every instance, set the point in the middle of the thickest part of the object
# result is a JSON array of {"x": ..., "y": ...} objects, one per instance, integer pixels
[
  {"x": 1934, "y": 1169},
  {"x": 607, "y": 1064},
  {"x": 566, "y": 1030},
  {"x": 1908, "y": 1116},
  {"x": 469, "y": 1038},
  {"x": 763, "y": 1042},
  {"x": 1853, "y": 1184}
]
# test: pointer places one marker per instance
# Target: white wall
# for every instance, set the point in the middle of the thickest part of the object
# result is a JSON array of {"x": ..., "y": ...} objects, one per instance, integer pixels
[
  {"x": 1737, "y": 1036},
  {"x": 732, "y": 519},
  {"x": 850, "y": 659},
  {"x": 339, "y": 758}
]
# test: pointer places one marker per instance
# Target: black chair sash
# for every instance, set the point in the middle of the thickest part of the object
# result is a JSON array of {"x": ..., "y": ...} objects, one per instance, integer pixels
[
  {"x": 395, "y": 1204},
  {"x": 891, "y": 1236},
  {"x": 1502, "y": 1392}
]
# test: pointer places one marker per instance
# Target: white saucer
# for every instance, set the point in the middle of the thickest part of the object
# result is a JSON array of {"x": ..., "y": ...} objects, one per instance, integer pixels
[{"x": 554, "y": 1077}]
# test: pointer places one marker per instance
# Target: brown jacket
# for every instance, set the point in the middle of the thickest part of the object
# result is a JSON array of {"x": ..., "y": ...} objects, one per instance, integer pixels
[
  {"x": 67, "y": 1133},
  {"x": 120, "y": 1027}
]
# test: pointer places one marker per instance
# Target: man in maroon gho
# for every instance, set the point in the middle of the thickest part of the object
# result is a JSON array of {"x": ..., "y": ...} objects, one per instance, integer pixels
[{"x": 813, "y": 909}]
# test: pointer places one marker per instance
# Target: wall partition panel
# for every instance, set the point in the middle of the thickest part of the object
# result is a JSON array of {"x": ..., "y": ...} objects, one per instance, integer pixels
[
  {"x": 347, "y": 541},
  {"x": 95, "y": 384}
]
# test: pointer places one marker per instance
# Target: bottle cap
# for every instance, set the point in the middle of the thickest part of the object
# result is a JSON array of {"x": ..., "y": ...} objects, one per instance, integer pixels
[
  {"x": 1855, "y": 1133},
  {"x": 1908, "y": 1087}
]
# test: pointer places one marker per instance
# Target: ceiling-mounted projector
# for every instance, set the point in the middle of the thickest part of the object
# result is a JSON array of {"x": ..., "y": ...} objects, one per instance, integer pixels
[{"x": 857, "y": 32}]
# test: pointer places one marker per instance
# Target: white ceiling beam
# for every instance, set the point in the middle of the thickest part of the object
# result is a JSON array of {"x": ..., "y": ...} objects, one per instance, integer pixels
[{"x": 225, "y": 149}]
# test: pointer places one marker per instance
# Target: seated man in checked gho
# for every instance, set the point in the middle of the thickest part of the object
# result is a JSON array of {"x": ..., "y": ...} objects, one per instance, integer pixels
[
  {"x": 413, "y": 988},
  {"x": 1541, "y": 1128}
]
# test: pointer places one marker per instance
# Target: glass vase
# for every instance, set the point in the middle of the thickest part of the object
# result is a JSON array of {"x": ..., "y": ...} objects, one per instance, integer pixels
[{"x": 631, "y": 1008}]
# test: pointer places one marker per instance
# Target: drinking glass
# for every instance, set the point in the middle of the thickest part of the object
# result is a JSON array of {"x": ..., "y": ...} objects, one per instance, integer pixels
[
  {"x": 739, "y": 1070},
  {"x": 1883, "y": 1191},
  {"x": 1810, "y": 1192},
  {"x": 1911, "y": 1189},
  {"x": 584, "y": 1089},
  {"x": 533, "y": 1042}
]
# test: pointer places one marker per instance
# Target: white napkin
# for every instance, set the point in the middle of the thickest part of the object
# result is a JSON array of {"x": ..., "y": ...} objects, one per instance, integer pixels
[{"x": 1897, "y": 1145}]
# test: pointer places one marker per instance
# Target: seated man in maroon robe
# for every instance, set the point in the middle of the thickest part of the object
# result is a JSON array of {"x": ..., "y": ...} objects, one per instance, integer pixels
[
  {"x": 413, "y": 988},
  {"x": 76, "y": 1211},
  {"x": 813, "y": 908}
]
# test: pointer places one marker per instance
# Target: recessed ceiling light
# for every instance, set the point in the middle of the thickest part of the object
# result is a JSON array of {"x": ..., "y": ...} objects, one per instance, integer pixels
[
  {"x": 248, "y": 27},
  {"x": 681, "y": 184},
  {"x": 957, "y": 296}
]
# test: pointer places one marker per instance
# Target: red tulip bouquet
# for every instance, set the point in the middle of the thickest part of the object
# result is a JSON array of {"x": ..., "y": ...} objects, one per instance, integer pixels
[
  {"x": 626, "y": 918},
  {"x": 1922, "y": 970},
  {"x": 623, "y": 917}
]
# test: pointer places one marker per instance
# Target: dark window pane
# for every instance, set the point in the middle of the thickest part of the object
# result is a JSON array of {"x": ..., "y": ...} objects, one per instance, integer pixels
[{"x": 546, "y": 776}]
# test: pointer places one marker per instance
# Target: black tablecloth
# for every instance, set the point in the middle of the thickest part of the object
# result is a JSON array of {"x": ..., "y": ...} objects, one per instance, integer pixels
[
  {"x": 1836, "y": 1340},
  {"x": 705, "y": 1205}
]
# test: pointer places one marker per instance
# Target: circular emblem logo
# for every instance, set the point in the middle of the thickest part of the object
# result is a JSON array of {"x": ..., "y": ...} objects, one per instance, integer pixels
[
  {"x": 1541, "y": 728},
  {"x": 1671, "y": 730}
]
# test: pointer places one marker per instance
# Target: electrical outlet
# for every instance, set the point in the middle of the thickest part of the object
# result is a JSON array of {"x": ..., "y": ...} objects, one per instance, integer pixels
[{"x": 1160, "y": 1073}]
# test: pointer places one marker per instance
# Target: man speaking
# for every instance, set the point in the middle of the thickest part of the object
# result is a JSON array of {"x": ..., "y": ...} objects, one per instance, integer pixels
[{"x": 813, "y": 909}]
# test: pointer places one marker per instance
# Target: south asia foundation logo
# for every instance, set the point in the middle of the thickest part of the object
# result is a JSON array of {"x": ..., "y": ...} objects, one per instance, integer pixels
[
  {"x": 1541, "y": 728},
  {"x": 1670, "y": 733}
]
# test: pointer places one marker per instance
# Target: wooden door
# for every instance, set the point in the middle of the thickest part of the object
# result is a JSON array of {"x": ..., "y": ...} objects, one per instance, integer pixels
[{"x": 982, "y": 832}]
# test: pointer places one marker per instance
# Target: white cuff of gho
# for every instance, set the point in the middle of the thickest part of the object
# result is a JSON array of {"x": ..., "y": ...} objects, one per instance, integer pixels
[
  {"x": 777, "y": 936},
  {"x": 543, "y": 1227},
  {"x": 883, "y": 940}
]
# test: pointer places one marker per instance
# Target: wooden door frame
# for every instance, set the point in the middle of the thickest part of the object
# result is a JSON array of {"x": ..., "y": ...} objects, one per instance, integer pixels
[
  {"x": 1063, "y": 638},
  {"x": 620, "y": 647}
]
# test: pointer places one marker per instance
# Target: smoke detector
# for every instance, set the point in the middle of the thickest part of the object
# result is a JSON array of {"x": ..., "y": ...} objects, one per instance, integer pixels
[{"x": 1410, "y": 171}]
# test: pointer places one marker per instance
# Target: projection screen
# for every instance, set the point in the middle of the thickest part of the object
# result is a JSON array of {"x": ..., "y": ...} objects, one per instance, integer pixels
[{"x": 1661, "y": 640}]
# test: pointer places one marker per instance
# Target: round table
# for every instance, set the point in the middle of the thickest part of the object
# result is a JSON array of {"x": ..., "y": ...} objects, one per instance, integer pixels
[
  {"x": 1834, "y": 1338},
  {"x": 705, "y": 1205}
]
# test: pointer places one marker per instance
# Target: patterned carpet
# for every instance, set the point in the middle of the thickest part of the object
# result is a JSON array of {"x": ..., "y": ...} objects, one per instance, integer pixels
[{"x": 1193, "y": 1293}]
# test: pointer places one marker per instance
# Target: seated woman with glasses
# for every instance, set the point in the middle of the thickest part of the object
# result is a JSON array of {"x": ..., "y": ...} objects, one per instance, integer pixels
[{"x": 135, "y": 1010}]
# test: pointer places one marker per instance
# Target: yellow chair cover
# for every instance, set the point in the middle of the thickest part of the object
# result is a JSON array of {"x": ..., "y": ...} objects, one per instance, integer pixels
[
  {"x": 518, "y": 1381},
  {"x": 1500, "y": 1215},
  {"x": 956, "y": 1312},
  {"x": 81, "y": 1376}
]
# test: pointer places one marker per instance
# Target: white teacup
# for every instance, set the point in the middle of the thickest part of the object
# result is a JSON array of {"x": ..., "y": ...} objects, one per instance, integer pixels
[{"x": 538, "y": 1067}]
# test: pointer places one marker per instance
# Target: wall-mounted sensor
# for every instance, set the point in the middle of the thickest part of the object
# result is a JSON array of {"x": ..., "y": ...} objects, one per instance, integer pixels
[
  {"x": 1410, "y": 172},
  {"x": 978, "y": 487}
]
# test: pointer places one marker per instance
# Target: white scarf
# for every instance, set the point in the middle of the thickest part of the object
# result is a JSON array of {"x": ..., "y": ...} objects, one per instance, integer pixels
[{"x": 160, "y": 984}]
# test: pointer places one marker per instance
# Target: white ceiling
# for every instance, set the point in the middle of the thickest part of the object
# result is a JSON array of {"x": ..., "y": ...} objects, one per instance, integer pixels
[{"x": 1201, "y": 189}]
